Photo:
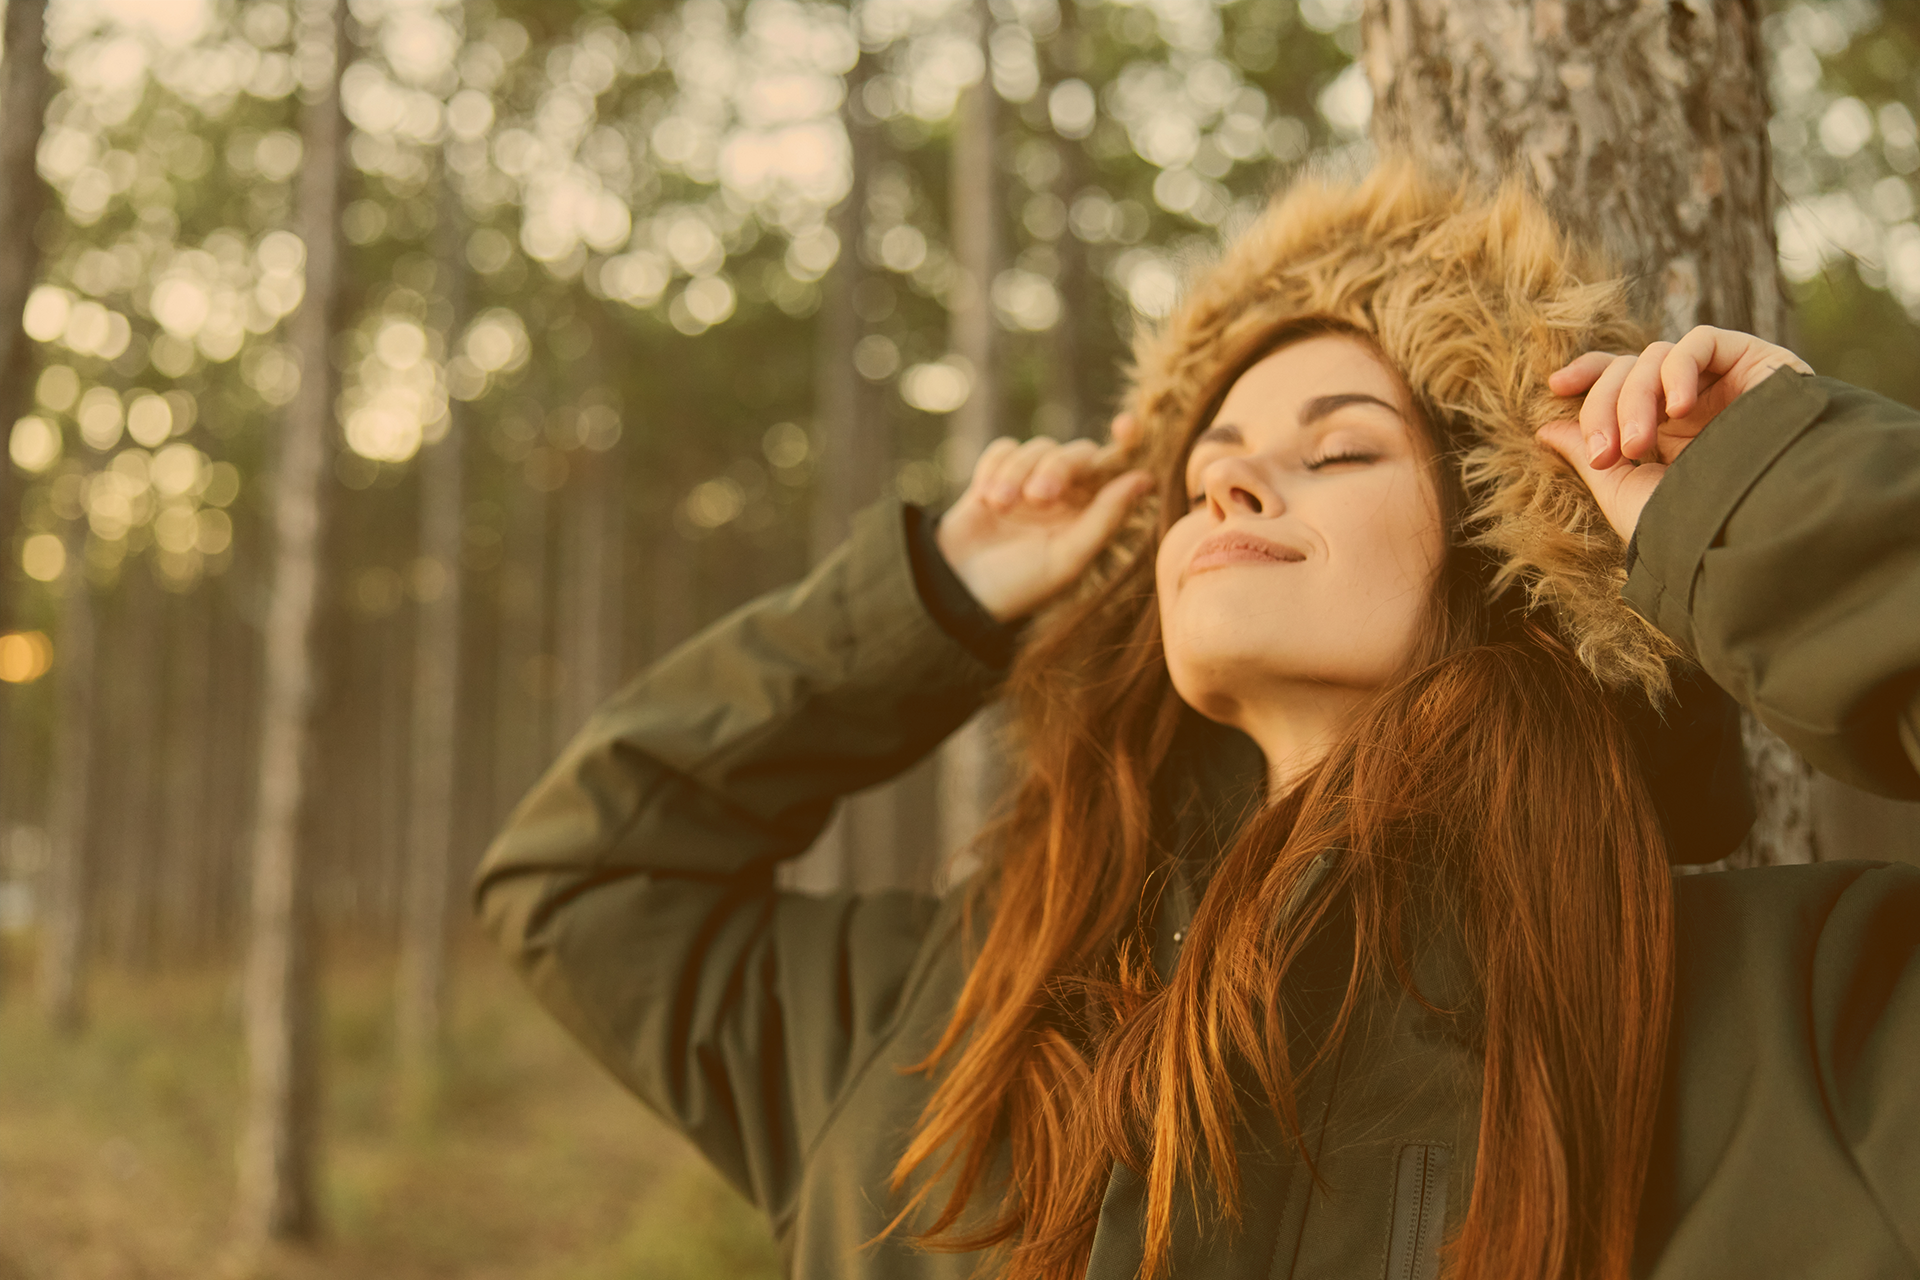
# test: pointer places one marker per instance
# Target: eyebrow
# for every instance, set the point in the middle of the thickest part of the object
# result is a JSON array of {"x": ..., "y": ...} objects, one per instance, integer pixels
[{"x": 1313, "y": 411}]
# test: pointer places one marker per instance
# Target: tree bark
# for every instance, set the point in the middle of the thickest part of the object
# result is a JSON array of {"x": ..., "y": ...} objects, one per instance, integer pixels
[
  {"x": 1644, "y": 127},
  {"x": 277, "y": 1151},
  {"x": 967, "y": 768},
  {"x": 420, "y": 1003},
  {"x": 65, "y": 935}
]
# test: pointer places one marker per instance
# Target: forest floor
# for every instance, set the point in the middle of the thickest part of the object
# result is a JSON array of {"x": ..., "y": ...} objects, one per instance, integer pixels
[{"x": 116, "y": 1148}]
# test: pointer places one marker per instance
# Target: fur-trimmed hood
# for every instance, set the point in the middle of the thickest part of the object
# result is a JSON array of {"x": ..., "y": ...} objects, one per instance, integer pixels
[{"x": 1475, "y": 299}]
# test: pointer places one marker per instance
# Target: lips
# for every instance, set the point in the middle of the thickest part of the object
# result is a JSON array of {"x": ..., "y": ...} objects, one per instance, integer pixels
[{"x": 1233, "y": 546}]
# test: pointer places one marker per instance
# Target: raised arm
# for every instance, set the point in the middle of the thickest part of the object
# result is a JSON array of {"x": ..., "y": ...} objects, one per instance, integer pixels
[
  {"x": 1780, "y": 547},
  {"x": 633, "y": 887}
]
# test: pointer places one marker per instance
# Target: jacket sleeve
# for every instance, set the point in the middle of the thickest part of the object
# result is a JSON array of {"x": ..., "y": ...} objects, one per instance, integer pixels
[
  {"x": 1782, "y": 550},
  {"x": 633, "y": 886}
]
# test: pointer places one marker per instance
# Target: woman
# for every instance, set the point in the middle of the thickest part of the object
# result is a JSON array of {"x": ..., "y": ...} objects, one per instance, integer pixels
[{"x": 1329, "y": 929}]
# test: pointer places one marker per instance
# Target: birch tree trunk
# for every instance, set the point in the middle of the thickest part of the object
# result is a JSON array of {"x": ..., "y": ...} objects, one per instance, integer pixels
[
  {"x": 277, "y": 1149},
  {"x": 420, "y": 1000},
  {"x": 65, "y": 935},
  {"x": 1645, "y": 128},
  {"x": 966, "y": 780}
]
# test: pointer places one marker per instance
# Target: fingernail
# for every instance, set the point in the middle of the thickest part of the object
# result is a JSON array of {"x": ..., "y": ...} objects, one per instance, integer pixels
[{"x": 1596, "y": 445}]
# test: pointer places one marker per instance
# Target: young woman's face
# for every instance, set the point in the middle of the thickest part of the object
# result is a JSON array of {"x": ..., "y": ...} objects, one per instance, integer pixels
[{"x": 1312, "y": 542}]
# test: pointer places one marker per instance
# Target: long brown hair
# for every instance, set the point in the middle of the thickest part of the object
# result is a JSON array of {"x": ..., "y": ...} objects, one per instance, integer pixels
[{"x": 1497, "y": 784}]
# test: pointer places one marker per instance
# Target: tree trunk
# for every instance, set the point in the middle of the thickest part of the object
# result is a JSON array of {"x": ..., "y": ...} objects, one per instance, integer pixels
[
  {"x": 1069, "y": 410},
  {"x": 591, "y": 596},
  {"x": 854, "y": 452},
  {"x": 133, "y": 682},
  {"x": 420, "y": 1003},
  {"x": 520, "y": 732},
  {"x": 63, "y": 957},
  {"x": 1644, "y": 128},
  {"x": 191, "y": 852},
  {"x": 277, "y": 1156},
  {"x": 967, "y": 761},
  {"x": 26, "y": 88}
]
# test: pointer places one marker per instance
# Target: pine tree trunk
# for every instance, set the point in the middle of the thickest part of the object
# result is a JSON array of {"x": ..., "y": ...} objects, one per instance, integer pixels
[
  {"x": 276, "y": 1198},
  {"x": 1645, "y": 128},
  {"x": 65, "y": 935},
  {"x": 967, "y": 761},
  {"x": 420, "y": 1003}
]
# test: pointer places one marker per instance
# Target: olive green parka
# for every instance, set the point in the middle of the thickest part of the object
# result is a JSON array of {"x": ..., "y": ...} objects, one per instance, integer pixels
[{"x": 634, "y": 888}]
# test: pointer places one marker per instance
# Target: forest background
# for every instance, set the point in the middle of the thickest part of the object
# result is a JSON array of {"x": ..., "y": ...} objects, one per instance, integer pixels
[{"x": 634, "y": 304}]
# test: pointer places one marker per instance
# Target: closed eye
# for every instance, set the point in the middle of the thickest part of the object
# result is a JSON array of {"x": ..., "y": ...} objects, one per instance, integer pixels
[{"x": 1335, "y": 459}]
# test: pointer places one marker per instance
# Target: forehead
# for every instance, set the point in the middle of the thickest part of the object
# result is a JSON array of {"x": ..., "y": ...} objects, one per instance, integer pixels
[{"x": 1272, "y": 392}]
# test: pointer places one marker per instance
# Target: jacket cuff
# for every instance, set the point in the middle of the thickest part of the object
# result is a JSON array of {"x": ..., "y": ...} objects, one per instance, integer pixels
[
  {"x": 1693, "y": 501},
  {"x": 949, "y": 602}
]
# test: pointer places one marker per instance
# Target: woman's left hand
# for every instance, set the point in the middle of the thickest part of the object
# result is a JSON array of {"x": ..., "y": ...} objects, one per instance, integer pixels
[{"x": 1642, "y": 411}]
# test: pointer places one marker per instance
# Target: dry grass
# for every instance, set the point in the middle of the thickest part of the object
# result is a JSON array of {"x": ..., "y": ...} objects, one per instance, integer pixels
[{"x": 116, "y": 1149}]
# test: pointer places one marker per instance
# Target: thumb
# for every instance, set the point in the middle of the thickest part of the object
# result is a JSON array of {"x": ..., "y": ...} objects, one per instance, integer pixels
[
  {"x": 1564, "y": 438},
  {"x": 1103, "y": 516},
  {"x": 1620, "y": 490}
]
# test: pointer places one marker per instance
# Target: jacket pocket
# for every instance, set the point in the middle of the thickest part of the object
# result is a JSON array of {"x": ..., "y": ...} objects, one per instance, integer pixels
[{"x": 1419, "y": 1211}]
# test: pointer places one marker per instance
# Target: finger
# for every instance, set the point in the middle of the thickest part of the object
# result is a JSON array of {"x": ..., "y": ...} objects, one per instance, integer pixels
[
  {"x": 986, "y": 471},
  {"x": 1014, "y": 470},
  {"x": 1125, "y": 430},
  {"x": 1680, "y": 378},
  {"x": 1619, "y": 490},
  {"x": 1642, "y": 402},
  {"x": 1579, "y": 373},
  {"x": 1715, "y": 351},
  {"x": 1599, "y": 422},
  {"x": 1057, "y": 471},
  {"x": 1092, "y": 528}
]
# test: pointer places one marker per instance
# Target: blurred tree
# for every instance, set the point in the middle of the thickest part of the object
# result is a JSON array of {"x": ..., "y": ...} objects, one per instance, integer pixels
[
  {"x": 854, "y": 452},
  {"x": 26, "y": 88},
  {"x": 277, "y": 1198},
  {"x": 437, "y": 669},
  {"x": 66, "y": 932},
  {"x": 977, "y": 197},
  {"x": 1646, "y": 133}
]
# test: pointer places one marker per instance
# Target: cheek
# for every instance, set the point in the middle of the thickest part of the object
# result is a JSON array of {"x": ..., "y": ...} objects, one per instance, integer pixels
[
  {"x": 1393, "y": 537},
  {"x": 1171, "y": 555}
]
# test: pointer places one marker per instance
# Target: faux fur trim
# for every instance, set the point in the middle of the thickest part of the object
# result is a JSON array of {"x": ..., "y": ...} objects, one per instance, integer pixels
[{"x": 1475, "y": 299}]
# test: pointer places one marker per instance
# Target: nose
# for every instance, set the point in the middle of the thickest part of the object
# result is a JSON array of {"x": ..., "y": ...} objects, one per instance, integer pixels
[{"x": 1234, "y": 486}]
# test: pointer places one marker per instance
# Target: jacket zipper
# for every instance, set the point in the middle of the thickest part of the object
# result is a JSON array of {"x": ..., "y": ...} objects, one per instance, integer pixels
[{"x": 1419, "y": 1211}]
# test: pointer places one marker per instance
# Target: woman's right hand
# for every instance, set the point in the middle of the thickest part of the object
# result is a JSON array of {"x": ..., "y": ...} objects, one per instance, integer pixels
[{"x": 1034, "y": 516}]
